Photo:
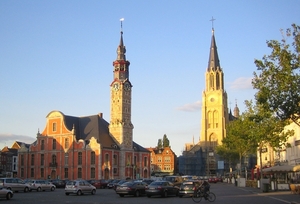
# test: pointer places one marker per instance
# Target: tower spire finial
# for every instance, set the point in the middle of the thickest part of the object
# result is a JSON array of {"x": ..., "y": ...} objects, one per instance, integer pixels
[
  {"x": 212, "y": 23},
  {"x": 122, "y": 19}
]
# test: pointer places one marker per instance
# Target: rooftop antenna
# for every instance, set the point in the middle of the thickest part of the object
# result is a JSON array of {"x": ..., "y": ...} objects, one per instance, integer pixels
[
  {"x": 212, "y": 22},
  {"x": 122, "y": 19}
]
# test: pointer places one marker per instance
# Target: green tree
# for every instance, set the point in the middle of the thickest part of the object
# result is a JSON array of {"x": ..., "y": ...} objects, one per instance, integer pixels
[
  {"x": 278, "y": 79},
  {"x": 237, "y": 139},
  {"x": 159, "y": 144},
  {"x": 265, "y": 129},
  {"x": 166, "y": 142},
  {"x": 228, "y": 154}
]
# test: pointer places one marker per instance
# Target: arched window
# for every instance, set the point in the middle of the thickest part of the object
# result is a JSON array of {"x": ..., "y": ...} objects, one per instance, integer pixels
[{"x": 53, "y": 159}]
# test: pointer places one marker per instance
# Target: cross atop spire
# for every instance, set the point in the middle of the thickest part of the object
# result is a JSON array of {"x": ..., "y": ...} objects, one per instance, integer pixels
[{"x": 212, "y": 22}]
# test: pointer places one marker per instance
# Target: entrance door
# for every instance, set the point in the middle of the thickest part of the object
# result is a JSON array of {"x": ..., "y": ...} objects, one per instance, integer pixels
[{"x": 53, "y": 174}]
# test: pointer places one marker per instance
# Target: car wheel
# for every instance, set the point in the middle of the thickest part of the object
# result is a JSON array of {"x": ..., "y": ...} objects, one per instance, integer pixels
[
  {"x": 180, "y": 196},
  {"x": 79, "y": 192},
  {"x": 38, "y": 189},
  {"x": 165, "y": 194},
  {"x": 8, "y": 196},
  {"x": 26, "y": 189},
  {"x": 121, "y": 195},
  {"x": 67, "y": 193},
  {"x": 149, "y": 196},
  {"x": 93, "y": 192},
  {"x": 52, "y": 188},
  {"x": 137, "y": 194}
]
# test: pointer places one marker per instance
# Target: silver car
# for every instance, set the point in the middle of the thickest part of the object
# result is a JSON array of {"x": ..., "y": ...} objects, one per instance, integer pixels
[
  {"x": 5, "y": 193},
  {"x": 14, "y": 184},
  {"x": 41, "y": 185},
  {"x": 79, "y": 187}
]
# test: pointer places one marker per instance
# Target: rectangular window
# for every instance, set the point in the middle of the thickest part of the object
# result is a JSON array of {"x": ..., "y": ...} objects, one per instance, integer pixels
[
  {"x": 66, "y": 173},
  {"x": 167, "y": 159},
  {"x": 54, "y": 144},
  {"x": 93, "y": 173},
  {"x": 115, "y": 171},
  {"x": 66, "y": 142},
  {"x": 54, "y": 127},
  {"x": 66, "y": 159},
  {"x": 79, "y": 173},
  {"x": 42, "y": 159},
  {"x": 32, "y": 172},
  {"x": 32, "y": 159},
  {"x": 145, "y": 161},
  {"x": 22, "y": 172},
  {"x": 93, "y": 158},
  {"x": 115, "y": 159},
  {"x": 22, "y": 160},
  {"x": 42, "y": 144},
  {"x": 158, "y": 159},
  {"x": 42, "y": 172},
  {"x": 79, "y": 159}
]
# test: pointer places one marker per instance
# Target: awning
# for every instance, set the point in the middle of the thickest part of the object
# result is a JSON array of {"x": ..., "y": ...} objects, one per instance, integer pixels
[{"x": 282, "y": 169}]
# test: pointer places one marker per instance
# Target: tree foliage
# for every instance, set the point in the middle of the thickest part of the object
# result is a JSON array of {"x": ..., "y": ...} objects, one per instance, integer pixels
[
  {"x": 166, "y": 142},
  {"x": 159, "y": 144},
  {"x": 278, "y": 79}
]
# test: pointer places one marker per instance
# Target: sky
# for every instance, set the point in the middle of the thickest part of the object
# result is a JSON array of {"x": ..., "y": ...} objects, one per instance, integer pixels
[{"x": 57, "y": 55}]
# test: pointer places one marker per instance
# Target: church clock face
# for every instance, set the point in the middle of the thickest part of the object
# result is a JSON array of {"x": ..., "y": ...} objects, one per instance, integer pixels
[
  {"x": 127, "y": 86},
  {"x": 116, "y": 86}
]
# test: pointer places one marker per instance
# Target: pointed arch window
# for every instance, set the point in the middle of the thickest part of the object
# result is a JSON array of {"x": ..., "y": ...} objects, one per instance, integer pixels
[
  {"x": 54, "y": 144},
  {"x": 215, "y": 119},
  {"x": 211, "y": 81},
  {"x": 218, "y": 81},
  {"x": 210, "y": 119}
]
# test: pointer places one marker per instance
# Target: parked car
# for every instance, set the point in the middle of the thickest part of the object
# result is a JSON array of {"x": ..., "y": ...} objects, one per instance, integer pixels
[
  {"x": 102, "y": 183},
  {"x": 14, "y": 184},
  {"x": 119, "y": 183},
  {"x": 58, "y": 183},
  {"x": 188, "y": 188},
  {"x": 147, "y": 181},
  {"x": 41, "y": 185},
  {"x": 162, "y": 188},
  {"x": 79, "y": 187},
  {"x": 112, "y": 183},
  {"x": 212, "y": 180},
  {"x": 135, "y": 188},
  {"x": 5, "y": 193},
  {"x": 176, "y": 180}
]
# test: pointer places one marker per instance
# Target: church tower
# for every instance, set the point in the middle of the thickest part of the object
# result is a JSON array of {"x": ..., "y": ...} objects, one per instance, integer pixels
[
  {"x": 214, "y": 101},
  {"x": 120, "y": 126}
]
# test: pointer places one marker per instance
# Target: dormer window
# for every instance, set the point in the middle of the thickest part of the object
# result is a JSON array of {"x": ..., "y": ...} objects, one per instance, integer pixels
[{"x": 54, "y": 127}]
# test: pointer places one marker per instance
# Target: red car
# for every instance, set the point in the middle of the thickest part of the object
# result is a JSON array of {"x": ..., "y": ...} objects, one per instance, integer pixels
[{"x": 212, "y": 180}]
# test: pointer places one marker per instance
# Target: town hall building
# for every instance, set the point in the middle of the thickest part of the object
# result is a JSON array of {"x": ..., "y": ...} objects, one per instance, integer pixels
[{"x": 89, "y": 147}]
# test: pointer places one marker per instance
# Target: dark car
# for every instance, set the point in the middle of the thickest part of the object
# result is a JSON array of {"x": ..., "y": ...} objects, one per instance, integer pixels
[
  {"x": 112, "y": 183},
  {"x": 162, "y": 188},
  {"x": 135, "y": 188},
  {"x": 119, "y": 183},
  {"x": 102, "y": 183},
  {"x": 58, "y": 183},
  {"x": 147, "y": 181},
  {"x": 187, "y": 188}
]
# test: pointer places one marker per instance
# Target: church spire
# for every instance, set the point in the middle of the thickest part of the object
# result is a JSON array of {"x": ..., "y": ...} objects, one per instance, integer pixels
[
  {"x": 121, "y": 50},
  {"x": 213, "y": 62}
]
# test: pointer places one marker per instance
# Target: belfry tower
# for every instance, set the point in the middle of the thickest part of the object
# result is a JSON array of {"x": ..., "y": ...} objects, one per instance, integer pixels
[
  {"x": 214, "y": 101},
  {"x": 120, "y": 125}
]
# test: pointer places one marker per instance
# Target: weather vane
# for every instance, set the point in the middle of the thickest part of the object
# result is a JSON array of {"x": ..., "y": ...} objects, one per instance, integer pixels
[
  {"x": 212, "y": 22},
  {"x": 122, "y": 19}
]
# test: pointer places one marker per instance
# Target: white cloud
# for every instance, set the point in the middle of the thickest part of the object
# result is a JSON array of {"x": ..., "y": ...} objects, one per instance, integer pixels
[
  {"x": 191, "y": 107},
  {"x": 8, "y": 139},
  {"x": 241, "y": 83}
]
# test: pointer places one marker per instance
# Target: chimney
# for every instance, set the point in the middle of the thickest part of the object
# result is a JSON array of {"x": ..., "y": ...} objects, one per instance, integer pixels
[{"x": 100, "y": 115}]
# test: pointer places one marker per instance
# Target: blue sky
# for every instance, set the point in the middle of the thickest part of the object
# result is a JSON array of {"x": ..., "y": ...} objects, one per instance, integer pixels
[{"x": 57, "y": 55}]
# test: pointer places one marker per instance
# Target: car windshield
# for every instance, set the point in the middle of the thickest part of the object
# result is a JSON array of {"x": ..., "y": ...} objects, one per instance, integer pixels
[
  {"x": 157, "y": 183},
  {"x": 71, "y": 183}
]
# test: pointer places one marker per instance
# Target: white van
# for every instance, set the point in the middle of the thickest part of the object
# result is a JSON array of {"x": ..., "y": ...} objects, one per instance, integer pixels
[{"x": 14, "y": 184}]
